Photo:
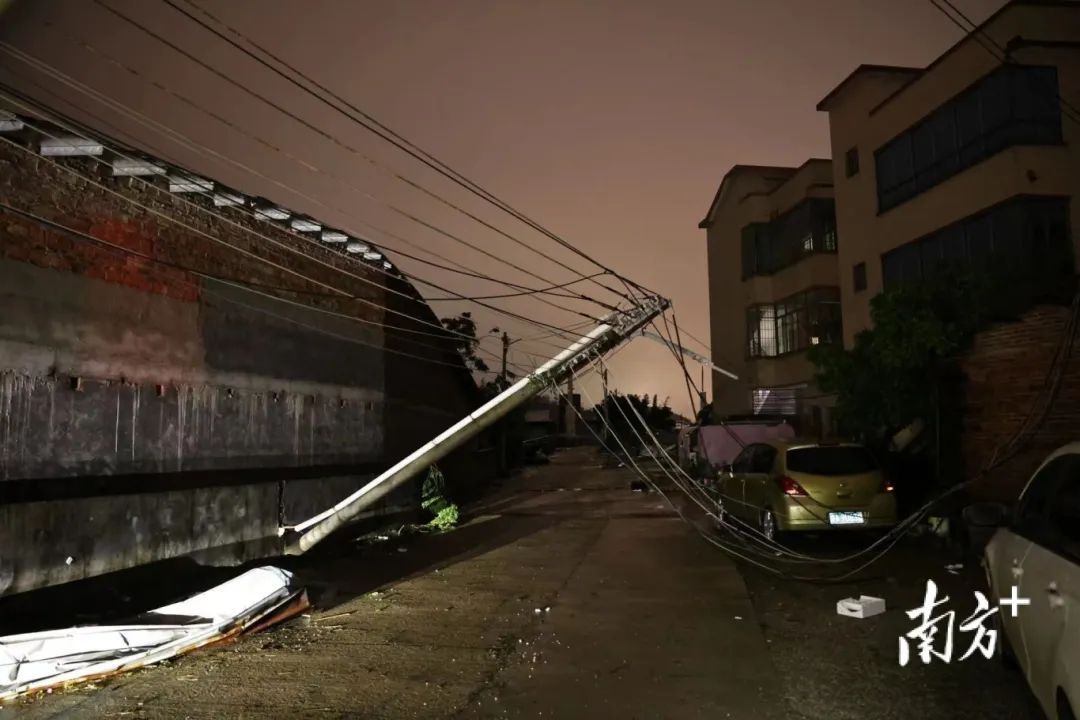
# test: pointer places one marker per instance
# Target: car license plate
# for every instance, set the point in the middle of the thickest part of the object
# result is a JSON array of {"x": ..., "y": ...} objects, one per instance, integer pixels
[{"x": 847, "y": 518}]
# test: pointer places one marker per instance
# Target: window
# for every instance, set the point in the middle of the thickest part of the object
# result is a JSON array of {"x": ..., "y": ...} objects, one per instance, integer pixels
[
  {"x": 1037, "y": 499},
  {"x": 741, "y": 463},
  {"x": 1026, "y": 238},
  {"x": 851, "y": 162},
  {"x": 761, "y": 331},
  {"x": 1063, "y": 528},
  {"x": 794, "y": 323},
  {"x": 809, "y": 227},
  {"x": 901, "y": 266},
  {"x": 790, "y": 324},
  {"x": 858, "y": 278},
  {"x": 1013, "y": 105},
  {"x": 755, "y": 250},
  {"x": 823, "y": 313},
  {"x": 839, "y": 460},
  {"x": 763, "y": 459},
  {"x": 776, "y": 400}
]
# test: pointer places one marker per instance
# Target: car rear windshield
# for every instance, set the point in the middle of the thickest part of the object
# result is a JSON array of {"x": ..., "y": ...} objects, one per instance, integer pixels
[{"x": 831, "y": 460}]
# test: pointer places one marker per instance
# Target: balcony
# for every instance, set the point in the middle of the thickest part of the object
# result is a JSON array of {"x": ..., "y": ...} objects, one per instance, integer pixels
[{"x": 807, "y": 229}]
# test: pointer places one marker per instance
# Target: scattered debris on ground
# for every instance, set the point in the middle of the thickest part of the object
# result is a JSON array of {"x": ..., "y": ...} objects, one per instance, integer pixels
[{"x": 42, "y": 661}]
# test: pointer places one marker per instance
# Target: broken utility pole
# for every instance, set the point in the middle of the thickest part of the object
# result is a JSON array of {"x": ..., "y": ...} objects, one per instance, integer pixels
[{"x": 615, "y": 329}]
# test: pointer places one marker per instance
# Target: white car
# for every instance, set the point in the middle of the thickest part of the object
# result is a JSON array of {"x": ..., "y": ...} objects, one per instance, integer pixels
[{"x": 1037, "y": 551}]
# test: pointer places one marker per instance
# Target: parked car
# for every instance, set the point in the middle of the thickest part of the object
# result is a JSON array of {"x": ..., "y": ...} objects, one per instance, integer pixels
[
  {"x": 787, "y": 485},
  {"x": 1036, "y": 551}
]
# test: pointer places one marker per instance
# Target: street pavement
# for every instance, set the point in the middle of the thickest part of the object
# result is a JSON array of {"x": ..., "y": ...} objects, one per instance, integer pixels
[{"x": 566, "y": 595}]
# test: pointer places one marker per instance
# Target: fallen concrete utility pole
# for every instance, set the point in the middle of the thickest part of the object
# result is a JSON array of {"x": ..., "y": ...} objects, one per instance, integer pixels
[
  {"x": 613, "y": 330},
  {"x": 690, "y": 354}
]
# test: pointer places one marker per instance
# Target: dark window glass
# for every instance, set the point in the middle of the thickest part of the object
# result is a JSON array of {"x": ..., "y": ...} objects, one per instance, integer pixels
[
  {"x": 969, "y": 131},
  {"x": 901, "y": 266},
  {"x": 1035, "y": 503},
  {"x": 794, "y": 323},
  {"x": 809, "y": 227},
  {"x": 953, "y": 248},
  {"x": 1013, "y": 105},
  {"x": 995, "y": 100},
  {"x": 1036, "y": 107},
  {"x": 761, "y": 331},
  {"x": 979, "y": 233},
  {"x": 741, "y": 463},
  {"x": 823, "y": 310},
  {"x": 763, "y": 459},
  {"x": 1026, "y": 239},
  {"x": 943, "y": 127},
  {"x": 932, "y": 251},
  {"x": 859, "y": 276},
  {"x": 851, "y": 162},
  {"x": 922, "y": 148},
  {"x": 1063, "y": 532},
  {"x": 831, "y": 461},
  {"x": 749, "y": 251}
]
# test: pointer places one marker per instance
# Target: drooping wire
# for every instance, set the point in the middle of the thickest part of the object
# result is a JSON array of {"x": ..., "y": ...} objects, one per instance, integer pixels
[
  {"x": 191, "y": 228},
  {"x": 988, "y": 43},
  {"x": 241, "y": 284},
  {"x": 328, "y": 136},
  {"x": 379, "y": 129},
  {"x": 202, "y": 149},
  {"x": 277, "y": 243}
]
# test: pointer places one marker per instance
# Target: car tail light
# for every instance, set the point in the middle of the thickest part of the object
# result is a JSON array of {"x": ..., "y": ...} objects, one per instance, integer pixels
[
  {"x": 886, "y": 486},
  {"x": 790, "y": 487}
]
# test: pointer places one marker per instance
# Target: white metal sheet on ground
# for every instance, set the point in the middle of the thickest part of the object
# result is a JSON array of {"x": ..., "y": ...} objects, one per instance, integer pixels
[{"x": 33, "y": 661}]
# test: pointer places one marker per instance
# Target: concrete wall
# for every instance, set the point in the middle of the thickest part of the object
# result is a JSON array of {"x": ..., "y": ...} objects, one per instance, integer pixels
[
  {"x": 147, "y": 412},
  {"x": 877, "y": 106}
]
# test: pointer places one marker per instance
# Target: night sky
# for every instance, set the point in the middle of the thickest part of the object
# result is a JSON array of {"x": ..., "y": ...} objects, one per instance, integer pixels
[{"x": 609, "y": 121}]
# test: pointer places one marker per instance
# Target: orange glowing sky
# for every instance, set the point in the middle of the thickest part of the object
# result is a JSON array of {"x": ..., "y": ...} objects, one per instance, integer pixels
[{"x": 610, "y": 121}]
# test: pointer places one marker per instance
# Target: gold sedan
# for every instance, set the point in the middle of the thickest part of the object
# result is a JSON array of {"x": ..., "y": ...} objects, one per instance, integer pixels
[{"x": 787, "y": 485}]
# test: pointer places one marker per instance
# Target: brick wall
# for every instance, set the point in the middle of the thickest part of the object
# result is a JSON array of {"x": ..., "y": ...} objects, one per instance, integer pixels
[
  {"x": 147, "y": 412},
  {"x": 1006, "y": 370}
]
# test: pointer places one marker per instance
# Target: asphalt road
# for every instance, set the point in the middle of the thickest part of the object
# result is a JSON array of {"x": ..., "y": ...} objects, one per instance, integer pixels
[{"x": 566, "y": 595}]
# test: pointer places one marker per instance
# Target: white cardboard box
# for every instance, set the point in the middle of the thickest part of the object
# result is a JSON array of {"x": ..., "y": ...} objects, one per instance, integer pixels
[{"x": 863, "y": 606}]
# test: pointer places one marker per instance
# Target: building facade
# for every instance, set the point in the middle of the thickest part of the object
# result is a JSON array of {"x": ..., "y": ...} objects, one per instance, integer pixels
[
  {"x": 773, "y": 288},
  {"x": 972, "y": 161}
]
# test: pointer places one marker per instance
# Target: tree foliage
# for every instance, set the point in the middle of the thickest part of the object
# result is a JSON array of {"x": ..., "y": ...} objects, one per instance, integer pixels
[
  {"x": 464, "y": 325},
  {"x": 887, "y": 379},
  {"x": 623, "y": 421}
]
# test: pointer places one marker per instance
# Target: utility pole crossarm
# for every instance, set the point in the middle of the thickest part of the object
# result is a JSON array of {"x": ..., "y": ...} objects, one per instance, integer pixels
[
  {"x": 613, "y": 330},
  {"x": 690, "y": 354}
]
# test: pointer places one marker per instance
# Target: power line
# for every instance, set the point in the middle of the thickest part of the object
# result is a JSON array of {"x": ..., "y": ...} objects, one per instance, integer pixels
[
  {"x": 979, "y": 35},
  {"x": 246, "y": 89},
  {"x": 158, "y": 152},
  {"x": 121, "y": 250},
  {"x": 191, "y": 144},
  {"x": 253, "y": 287},
  {"x": 379, "y": 129},
  {"x": 344, "y": 294},
  {"x": 268, "y": 239},
  {"x": 527, "y": 292}
]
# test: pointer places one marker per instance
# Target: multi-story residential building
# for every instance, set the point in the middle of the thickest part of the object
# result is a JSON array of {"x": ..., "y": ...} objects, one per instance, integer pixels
[
  {"x": 973, "y": 160},
  {"x": 773, "y": 286}
]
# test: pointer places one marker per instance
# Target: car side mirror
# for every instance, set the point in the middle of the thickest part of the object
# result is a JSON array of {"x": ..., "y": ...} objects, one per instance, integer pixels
[{"x": 987, "y": 515}]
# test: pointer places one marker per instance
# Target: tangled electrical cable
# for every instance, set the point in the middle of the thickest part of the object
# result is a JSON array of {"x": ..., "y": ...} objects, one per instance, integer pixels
[{"x": 764, "y": 548}]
